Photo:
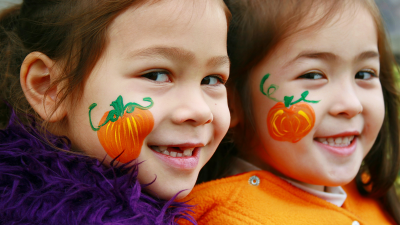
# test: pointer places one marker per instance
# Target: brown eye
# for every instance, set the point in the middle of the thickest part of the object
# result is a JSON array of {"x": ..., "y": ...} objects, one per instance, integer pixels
[
  {"x": 365, "y": 75},
  {"x": 159, "y": 76},
  {"x": 212, "y": 80},
  {"x": 312, "y": 76}
]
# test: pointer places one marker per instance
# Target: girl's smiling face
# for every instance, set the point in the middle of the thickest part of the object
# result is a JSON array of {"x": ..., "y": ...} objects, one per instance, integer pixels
[
  {"x": 338, "y": 64},
  {"x": 173, "y": 52}
]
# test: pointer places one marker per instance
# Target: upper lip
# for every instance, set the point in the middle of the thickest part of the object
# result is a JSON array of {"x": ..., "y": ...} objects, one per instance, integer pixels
[
  {"x": 181, "y": 145},
  {"x": 343, "y": 134}
]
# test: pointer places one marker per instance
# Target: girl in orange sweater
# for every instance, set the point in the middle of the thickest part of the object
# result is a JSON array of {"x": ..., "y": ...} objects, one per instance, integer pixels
[{"x": 314, "y": 118}]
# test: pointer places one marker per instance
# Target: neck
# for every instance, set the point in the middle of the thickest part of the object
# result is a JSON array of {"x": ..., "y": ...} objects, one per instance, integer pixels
[
  {"x": 242, "y": 165},
  {"x": 312, "y": 186}
]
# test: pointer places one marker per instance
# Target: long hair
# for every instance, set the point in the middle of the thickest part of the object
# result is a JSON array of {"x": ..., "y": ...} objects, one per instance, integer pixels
[{"x": 260, "y": 25}]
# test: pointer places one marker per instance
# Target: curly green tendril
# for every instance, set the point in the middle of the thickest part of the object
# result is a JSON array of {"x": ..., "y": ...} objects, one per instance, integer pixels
[{"x": 287, "y": 100}]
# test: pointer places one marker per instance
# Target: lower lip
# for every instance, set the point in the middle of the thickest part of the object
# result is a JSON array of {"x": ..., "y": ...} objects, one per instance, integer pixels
[
  {"x": 342, "y": 151},
  {"x": 185, "y": 163}
]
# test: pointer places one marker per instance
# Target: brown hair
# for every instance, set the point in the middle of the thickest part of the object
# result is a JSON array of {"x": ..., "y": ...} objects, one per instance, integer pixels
[{"x": 260, "y": 25}]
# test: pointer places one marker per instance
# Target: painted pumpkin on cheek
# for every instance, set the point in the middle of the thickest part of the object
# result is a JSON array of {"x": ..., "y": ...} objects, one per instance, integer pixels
[
  {"x": 122, "y": 130},
  {"x": 288, "y": 120},
  {"x": 290, "y": 124}
]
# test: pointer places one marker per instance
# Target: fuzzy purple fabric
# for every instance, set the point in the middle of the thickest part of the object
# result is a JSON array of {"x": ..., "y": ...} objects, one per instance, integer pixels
[{"x": 42, "y": 185}]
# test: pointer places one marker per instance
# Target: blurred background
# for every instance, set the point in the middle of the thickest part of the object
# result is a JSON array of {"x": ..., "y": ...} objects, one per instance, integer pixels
[
  {"x": 6, "y": 3},
  {"x": 390, "y": 10}
]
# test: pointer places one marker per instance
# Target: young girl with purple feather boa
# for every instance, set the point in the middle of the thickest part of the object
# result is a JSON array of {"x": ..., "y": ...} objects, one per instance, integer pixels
[{"x": 109, "y": 108}]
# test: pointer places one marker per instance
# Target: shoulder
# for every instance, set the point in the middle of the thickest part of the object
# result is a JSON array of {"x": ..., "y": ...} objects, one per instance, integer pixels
[
  {"x": 240, "y": 199},
  {"x": 367, "y": 208}
]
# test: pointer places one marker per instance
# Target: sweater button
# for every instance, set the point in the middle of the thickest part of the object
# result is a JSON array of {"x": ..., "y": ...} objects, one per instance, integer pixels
[
  {"x": 254, "y": 180},
  {"x": 355, "y": 223}
]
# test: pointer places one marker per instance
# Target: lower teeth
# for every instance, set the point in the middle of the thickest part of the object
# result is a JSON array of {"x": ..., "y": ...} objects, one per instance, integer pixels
[{"x": 173, "y": 154}]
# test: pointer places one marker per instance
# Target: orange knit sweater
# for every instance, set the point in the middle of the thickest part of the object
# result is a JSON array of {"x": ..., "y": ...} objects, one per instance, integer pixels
[{"x": 234, "y": 200}]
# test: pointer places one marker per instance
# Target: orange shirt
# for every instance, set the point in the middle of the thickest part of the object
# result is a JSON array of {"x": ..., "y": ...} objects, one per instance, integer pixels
[{"x": 272, "y": 200}]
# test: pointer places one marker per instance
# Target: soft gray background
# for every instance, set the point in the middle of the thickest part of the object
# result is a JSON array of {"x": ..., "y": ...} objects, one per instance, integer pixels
[
  {"x": 6, "y": 3},
  {"x": 390, "y": 11}
]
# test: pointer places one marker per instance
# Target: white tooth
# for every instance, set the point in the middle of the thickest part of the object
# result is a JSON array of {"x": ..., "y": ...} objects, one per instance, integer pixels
[
  {"x": 187, "y": 152},
  {"x": 162, "y": 148},
  {"x": 338, "y": 140},
  {"x": 351, "y": 138},
  {"x": 331, "y": 143},
  {"x": 330, "y": 140},
  {"x": 325, "y": 142},
  {"x": 156, "y": 148},
  {"x": 346, "y": 141},
  {"x": 165, "y": 152},
  {"x": 321, "y": 140},
  {"x": 173, "y": 154},
  {"x": 179, "y": 155}
]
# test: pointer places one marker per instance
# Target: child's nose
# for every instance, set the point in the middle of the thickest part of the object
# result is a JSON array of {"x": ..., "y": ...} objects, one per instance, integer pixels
[
  {"x": 346, "y": 102},
  {"x": 192, "y": 108}
]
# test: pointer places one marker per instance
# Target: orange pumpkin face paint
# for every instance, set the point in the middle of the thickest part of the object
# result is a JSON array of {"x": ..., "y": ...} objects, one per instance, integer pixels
[
  {"x": 122, "y": 130},
  {"x": 289, "y": 120},
  {"x": 290, "y": 124}
]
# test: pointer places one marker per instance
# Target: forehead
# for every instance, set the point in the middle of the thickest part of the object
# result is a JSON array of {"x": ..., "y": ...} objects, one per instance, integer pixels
[
  {"x": 168, "y": 23},
  {"x": 324, "y": 30},
  {"x": 166, "y": 14},
  {"x": 315, "y": 15}
]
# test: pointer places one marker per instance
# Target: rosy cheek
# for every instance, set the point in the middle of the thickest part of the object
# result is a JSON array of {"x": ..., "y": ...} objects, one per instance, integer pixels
[{"x": 290, "y": 124}]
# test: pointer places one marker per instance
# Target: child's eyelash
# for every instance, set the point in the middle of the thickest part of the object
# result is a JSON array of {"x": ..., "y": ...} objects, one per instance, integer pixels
[
  {"x": 361, "y": 74},
  {"x": 155, "y": 74},
  {"x": 218, "y": 77},
  {"x": 314, "y": 75}
]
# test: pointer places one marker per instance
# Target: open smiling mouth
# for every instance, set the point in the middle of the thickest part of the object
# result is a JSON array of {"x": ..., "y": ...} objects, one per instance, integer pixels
[
  {"x": 173, "y": 151},
  {"x": 336, "y": 141}
]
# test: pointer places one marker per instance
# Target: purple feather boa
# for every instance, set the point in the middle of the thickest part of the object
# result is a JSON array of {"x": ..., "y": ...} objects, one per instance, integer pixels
[{"x": 42, "y": 185}]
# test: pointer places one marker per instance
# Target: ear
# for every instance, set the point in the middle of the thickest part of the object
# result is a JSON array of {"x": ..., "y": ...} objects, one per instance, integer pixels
[
  {"x": 37, "y": 73},
  {"x": 234, "y": 106}
]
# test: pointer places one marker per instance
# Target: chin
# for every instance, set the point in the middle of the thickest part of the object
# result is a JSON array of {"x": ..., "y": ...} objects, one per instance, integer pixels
[
  {"x": 339, "y": 179},
  {"x": 167, "y": 192},
  {"x": 183, "y": 194},
  {"x": 338, "y": 182}
]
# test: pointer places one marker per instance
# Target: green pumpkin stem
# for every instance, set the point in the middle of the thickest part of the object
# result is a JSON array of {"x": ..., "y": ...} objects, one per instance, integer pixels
[
  {"x": 119, "y": 110},
  {"x": 287, "y": 100}
]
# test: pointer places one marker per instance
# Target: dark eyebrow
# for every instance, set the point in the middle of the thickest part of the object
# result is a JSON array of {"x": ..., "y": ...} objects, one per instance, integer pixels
[
  {"x": 327, "y": 56},
  {"x": 177, "y": 54},
  {"x": 368, "y": 55},
  {"x": 313, "y": 55},
  {"x": 172, "y": 53},
  {"x": 316, "y": 55},
  {"x": 219, "y": 61}
]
